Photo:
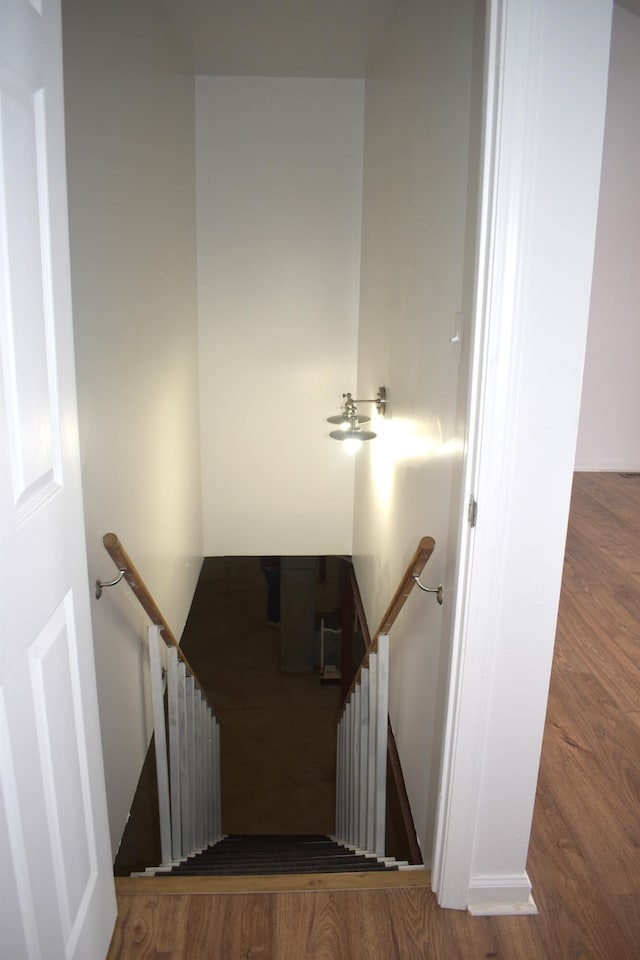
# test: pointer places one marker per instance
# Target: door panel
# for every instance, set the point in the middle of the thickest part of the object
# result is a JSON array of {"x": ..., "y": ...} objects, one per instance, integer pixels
[
  {"x": 27, "y": 317},
  {"x": 56, "y": 886}
]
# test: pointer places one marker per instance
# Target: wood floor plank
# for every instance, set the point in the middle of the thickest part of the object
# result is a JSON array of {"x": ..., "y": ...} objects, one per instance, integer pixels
[
  {"x": 619, "y": 495},
  {"x": 580, "y": 648},
  {"x": 590, "y": 754},
  {"x": 291, "y": 883},
  {"x": 376, "y": 925},
  {"x": 627, "y": 911},
  {"x": 576, "y": 919}
]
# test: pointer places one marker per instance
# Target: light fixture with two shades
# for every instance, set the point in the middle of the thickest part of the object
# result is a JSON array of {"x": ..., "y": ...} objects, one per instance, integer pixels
[{"x": 350, "y": 422}]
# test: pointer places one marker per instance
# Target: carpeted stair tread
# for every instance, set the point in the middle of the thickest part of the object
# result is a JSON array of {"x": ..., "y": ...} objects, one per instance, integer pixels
[
  {"x": 277, "y": 853},
  {"x": 263, "y": 839},
  {"x": 246, "y": 855}
]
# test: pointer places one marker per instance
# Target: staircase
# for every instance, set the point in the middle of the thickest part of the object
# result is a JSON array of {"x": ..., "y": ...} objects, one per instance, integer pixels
[
  {"x": 187, "y": 753},
  {"x": 249, "y": 855}
]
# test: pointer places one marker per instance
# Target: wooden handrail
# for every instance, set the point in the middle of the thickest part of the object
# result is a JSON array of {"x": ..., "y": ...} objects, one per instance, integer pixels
[
  {"x": 124, "y": 562},
  {"x": 415, "y": 567},
  {"x": 359, "y": 605}
]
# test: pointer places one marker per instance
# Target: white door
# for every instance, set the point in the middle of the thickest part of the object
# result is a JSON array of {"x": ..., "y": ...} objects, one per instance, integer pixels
[{"x": 56, "y": 883}]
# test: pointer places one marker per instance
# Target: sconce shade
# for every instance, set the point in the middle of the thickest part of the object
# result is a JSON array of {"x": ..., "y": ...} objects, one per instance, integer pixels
[
  {"x": 342, "y": 418},
  {"x": 353, "y": 434},
  {"x": 349, "y": 420}
]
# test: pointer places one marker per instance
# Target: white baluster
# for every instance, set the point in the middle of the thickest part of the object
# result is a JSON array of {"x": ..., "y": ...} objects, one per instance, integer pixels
[
  {"x": 349, "y": 770},
  {"x": 197, "y": 738},
  {"x": 174, "y": 751},
  {"x": 191, "y": 764},
  {"x": 215, "y": 779},
  {"x": 218, "y": 784},
  {"x": 364, "y": 759},
  {"x": 185, "y": 800},
  {"x": 160, "y": 739},
  {"x": 357, "y": 721},
  {"x": 338, "y": 821},
  {"x": 204, "y": 742},
  {"x": 371, "y": 752},
  {"x": 382, "y": 722},
  {"x": 344, "y": 778},
  {"x": 207, "y": 775}
]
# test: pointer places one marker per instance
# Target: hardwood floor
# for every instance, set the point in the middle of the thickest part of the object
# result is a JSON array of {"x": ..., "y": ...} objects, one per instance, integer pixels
[{"x": 584, "y": 858}]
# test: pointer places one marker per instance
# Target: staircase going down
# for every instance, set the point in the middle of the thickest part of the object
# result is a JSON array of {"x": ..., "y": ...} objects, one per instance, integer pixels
[{"x": 249, "y": 855}]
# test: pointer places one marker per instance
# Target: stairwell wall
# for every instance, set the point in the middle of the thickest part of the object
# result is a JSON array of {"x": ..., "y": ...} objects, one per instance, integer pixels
[
  {"x": 422, "y": 136},
  {"x": 609, "y": 433},
  {"x": 129, "y": 98},
  {"x": 279, "y": 197}
]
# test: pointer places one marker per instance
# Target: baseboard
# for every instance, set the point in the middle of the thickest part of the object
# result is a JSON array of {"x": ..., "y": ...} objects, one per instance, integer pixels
[
  {"x": 500, "y": 895},
  {"x": 599, "y": 467}
]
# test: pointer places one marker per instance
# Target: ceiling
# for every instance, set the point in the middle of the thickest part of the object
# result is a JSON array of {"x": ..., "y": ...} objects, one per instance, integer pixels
[{"x": 287, "y": 38}]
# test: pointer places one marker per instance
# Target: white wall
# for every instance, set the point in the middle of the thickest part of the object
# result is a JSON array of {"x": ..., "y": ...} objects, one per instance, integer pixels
[
  {"x": 417, "y": 275},
  {"x": 131, "y": 172},
  {"x": 609, "y": 435},
  {"x": 279, "y": 188}
]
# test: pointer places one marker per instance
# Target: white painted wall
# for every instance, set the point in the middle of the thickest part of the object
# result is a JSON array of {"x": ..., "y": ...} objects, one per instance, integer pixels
[
  {"x": 130, "y": 151},
  {"x": 609, "y": 435},
  {"x": 279, "y": 188},
  {"x": 417, "y": 274}
]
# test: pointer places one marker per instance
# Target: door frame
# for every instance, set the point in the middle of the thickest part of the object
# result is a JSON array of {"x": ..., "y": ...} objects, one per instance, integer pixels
[{"x": 543, "y": 131}]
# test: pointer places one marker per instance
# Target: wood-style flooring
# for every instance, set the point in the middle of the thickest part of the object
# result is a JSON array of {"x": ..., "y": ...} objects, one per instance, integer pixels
[{"x": 584, "y": 858}]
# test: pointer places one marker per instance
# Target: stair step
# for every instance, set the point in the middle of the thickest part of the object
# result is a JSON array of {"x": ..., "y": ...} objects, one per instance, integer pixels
[
  {"x": 260, "y": 855},
  {"x": 255, "y": 869}
]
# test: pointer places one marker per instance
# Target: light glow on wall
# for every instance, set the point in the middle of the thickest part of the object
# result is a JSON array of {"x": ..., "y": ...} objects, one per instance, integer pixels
[{"x": 409, "y": 443}]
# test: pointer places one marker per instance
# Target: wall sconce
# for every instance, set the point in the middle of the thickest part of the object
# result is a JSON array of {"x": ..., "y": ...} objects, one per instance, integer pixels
[{"x": 349, "y": 420}]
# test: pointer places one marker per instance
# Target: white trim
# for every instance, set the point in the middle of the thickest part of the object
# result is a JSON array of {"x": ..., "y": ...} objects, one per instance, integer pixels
[
  {"x": 491, "y": 896},
  {"x": 610, "y": 466},
  {"x": 518, "y": 311},
  {"x": 467, "y": 709}
]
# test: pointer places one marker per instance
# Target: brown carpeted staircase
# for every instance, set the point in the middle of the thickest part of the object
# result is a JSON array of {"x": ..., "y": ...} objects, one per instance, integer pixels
[{"x": 249, "y": 855}]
